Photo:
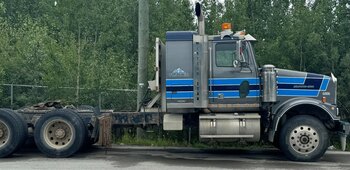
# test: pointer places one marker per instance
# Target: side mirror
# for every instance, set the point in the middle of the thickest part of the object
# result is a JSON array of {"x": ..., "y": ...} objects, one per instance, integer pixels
[
  {"x": 239, "y": 49},
  {"x": 240, "y": 60}
]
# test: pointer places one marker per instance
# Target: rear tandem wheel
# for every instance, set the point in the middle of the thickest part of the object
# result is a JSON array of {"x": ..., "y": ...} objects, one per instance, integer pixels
[
  {"x": 13, "y": 132},
  {"x": 60, "y": 133}
]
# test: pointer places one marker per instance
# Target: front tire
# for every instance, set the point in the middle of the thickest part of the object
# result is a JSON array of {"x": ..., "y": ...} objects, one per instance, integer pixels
[
  {"x": 60, "y": 133},
  {"x": 304, "y": 138}
]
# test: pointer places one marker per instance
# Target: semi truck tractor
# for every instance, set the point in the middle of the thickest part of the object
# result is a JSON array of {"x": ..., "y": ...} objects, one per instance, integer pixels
[{"x": 214, "y": 81}]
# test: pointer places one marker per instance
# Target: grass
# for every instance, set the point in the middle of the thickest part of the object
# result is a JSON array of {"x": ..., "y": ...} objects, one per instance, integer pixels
[
  {"x": 128, "y": 139},
  {"x": 159, "y": 138},
  {"x": 335, "y": 141},
  {"x": 177, "y": 139}
]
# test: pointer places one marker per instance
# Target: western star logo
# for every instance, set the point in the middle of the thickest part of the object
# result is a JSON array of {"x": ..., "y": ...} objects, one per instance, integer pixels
[{"x": 179, "y": 73}]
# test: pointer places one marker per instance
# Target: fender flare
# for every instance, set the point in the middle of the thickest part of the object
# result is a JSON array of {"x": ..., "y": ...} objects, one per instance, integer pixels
[{"x": 289, "y": 104}]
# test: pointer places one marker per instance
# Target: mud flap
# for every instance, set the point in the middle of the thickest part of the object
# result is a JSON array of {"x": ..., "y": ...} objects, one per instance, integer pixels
[
  {"x": 344, "y": 134},
  {"x": 105, "y": 133}
]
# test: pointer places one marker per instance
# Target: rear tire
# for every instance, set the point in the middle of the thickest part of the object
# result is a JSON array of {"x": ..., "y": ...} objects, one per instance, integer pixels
[
  {"x": 304, "y": 138},
  {"x": 60, "y": 133},
  {"x": 13, "y": 132}
]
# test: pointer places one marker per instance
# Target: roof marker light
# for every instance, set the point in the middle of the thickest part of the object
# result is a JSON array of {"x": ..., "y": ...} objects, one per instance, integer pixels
[{"x": 226, "y": 26}]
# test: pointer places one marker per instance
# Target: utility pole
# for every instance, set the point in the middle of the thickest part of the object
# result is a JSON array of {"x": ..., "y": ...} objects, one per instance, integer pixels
[
  {"x": 143, "y": 39},
  {"x": 77, "y": 92}
]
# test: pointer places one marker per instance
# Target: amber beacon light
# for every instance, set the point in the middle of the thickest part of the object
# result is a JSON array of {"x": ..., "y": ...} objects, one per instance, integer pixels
[{"x": 226, "y": 26}]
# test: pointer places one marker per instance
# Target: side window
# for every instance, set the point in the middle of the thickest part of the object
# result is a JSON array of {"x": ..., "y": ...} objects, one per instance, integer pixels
[{"x": 225, "y": 54}]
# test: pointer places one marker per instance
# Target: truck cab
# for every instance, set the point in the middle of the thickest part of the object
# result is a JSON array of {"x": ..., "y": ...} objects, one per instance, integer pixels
[
  {"x": 222, "y": 78},
  {"x": 216, "y": 78}
]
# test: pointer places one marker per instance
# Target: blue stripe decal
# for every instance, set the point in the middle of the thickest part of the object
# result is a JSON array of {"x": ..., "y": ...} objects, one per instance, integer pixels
[
  {"x": 179, "y": 95},
  {"x": 290, "y": 80},
  {"x": 233, "y": 94},
  {"x": 324, "y": 84},
  {"x": 179, "y": 88},
  {"x": 217, "y": 81},
  {"x": 233, "y": 81},
  {"x": 178, "y": 82},
  {"x": 309, "y": 86},
  {"x": 290, "y": 92},
  {"x": 232, "y": 87},
  {"x": 213, "y": 88}
]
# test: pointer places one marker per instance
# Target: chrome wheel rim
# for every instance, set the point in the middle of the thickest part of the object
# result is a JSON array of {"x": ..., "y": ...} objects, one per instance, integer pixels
[
  {"x": 58, "y": 133},
  {"x": 4, "y": 133},
  {"x": 304, "y": 139}
]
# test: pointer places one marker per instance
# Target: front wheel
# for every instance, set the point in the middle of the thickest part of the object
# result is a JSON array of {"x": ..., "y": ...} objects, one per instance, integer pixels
[{"x": 304, "y": 138}]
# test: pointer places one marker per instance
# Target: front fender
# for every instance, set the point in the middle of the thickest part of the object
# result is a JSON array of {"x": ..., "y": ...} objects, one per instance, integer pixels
[{"x": 281, "y": 109}]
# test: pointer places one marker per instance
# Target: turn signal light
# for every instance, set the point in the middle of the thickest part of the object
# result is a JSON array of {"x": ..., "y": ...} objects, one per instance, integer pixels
[
  {"x": 226, "y": 26},
  {"x": 324, "y": 99}
]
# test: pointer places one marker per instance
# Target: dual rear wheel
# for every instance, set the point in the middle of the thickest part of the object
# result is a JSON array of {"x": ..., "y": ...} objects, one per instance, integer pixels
[
  {"x": 13, "y": 132},
  {"x": 60, "y": 133}
]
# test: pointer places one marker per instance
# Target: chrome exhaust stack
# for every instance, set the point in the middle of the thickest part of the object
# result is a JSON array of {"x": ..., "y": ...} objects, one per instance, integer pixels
[{"x": 200, "y": 16}]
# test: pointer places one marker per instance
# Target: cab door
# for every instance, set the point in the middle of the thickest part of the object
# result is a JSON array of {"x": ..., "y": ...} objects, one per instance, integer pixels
[{"x": 233, "y": 80}]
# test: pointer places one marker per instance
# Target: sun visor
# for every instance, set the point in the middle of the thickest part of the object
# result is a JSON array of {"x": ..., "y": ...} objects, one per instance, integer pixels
[{"x": 249, "y": 37}]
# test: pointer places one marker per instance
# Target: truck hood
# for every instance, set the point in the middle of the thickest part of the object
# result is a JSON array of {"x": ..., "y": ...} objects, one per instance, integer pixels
[{"x": 303, "y": 84}]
